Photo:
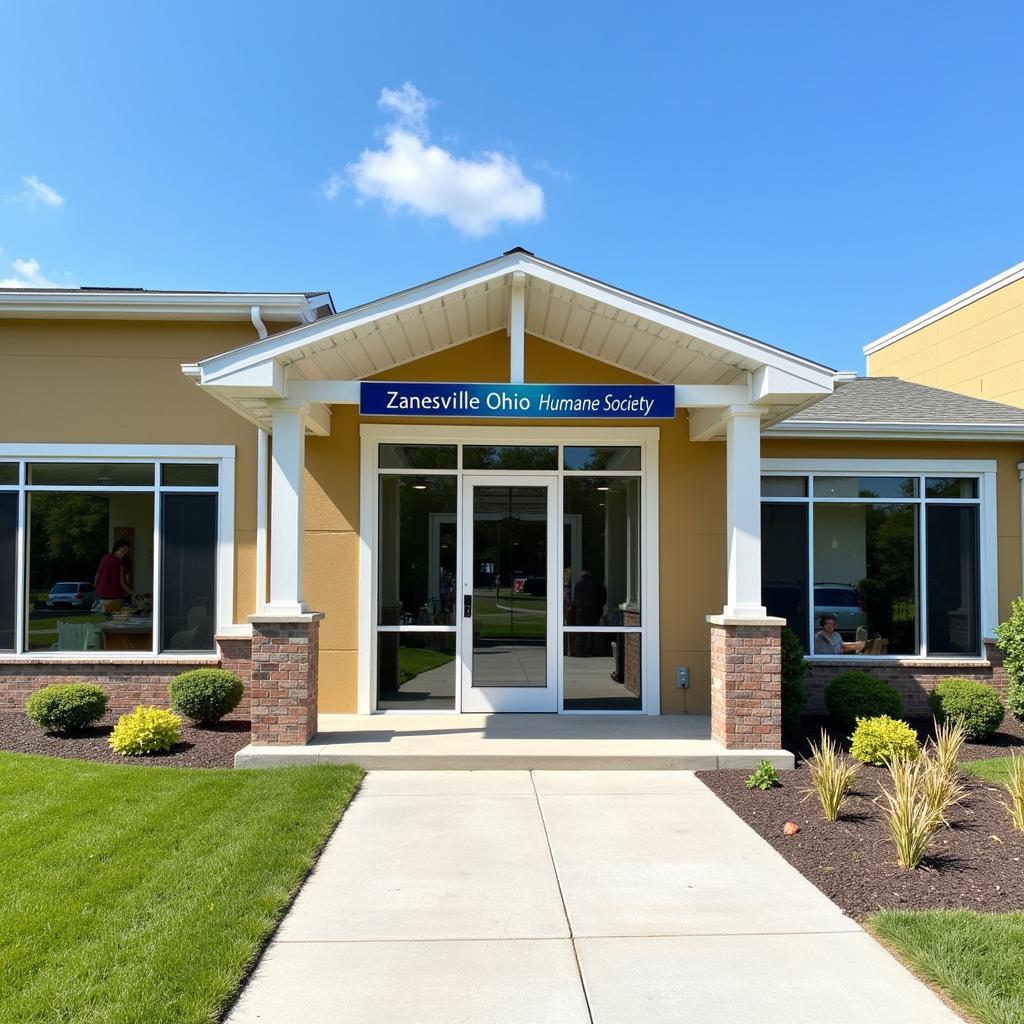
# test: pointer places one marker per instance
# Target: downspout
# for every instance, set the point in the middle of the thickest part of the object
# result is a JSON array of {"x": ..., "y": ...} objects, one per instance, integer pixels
[{"x": 257, "y": 321}]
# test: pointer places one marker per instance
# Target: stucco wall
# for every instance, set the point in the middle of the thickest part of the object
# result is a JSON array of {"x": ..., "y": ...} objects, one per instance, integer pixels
[
  {"x": 978, "y": 350},
  {"x": 118, "y": 382}
]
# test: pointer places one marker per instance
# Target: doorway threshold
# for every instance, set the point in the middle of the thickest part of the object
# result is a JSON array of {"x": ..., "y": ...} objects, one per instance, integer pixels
[{"x": 470, "y": 742}]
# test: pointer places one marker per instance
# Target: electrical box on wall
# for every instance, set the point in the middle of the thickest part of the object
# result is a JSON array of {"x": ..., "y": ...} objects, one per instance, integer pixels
[{"x": 682, "y": 677}]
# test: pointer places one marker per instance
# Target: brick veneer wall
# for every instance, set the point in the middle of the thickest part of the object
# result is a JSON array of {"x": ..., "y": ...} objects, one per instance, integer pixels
[
  {"x": 746, "y": 686},
  {"x": 913, "y": 679},
  {"x": 285, "y": 656}
]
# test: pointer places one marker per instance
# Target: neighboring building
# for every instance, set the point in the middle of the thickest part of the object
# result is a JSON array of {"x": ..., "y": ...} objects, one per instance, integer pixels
[
  {"x": 481, "y": 535},
  {"x": 973, "y": 344}
]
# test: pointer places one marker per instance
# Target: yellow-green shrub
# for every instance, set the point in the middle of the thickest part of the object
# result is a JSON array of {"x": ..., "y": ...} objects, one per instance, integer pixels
[
  {"x": 882, "y": 739},
  {"x": 145, "y": 731}
]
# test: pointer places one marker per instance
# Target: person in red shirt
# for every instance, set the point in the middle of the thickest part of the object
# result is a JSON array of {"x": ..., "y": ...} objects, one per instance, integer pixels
[{"x": 111, "y": 580}]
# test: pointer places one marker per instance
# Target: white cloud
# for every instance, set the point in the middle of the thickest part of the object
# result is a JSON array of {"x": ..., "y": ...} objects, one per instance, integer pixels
[
  {"x": 475, "y": 194},
  {"x": 37, "y": 191},
  {"x": 332, "y": 187},
  {"x": 28, "y": 274}
]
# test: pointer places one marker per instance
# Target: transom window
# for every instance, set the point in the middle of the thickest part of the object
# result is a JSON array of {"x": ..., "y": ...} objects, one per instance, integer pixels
[
  {"x": 110, "y": 557},
  {"x": 893, "y": 559}
]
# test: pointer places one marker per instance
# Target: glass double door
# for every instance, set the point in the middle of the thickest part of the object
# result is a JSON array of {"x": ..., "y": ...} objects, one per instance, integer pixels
[{"x": 510, "y": 592}]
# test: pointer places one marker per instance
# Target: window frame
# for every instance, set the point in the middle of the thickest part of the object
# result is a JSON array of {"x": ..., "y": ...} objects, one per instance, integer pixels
[
  {"x": 156, "y": 454},
  {"x": 984, "y": 471}
]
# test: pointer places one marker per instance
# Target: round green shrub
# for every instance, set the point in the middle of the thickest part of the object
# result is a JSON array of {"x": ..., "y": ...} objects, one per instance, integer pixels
[
  {"x": 794, "y": 693},
  {"x": 854, "y": 695},
  {"x": 978, "y": 707},
  {"x": 145, "y": 731},
  {"x": 880, "y": 739},
  {"x": 67, "y": 707},
  {"x": 206, "y": 695},
  {"x": 1010, "y": 640}
]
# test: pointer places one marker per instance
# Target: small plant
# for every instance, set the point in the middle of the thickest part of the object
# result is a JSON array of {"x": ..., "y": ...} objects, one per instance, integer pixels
[
  {"x": 832, "y": 776},
  {"x": 1015, "y": 789},
  {"x": 145, "y": 731},
  {"x": 911, "y": 819},
  {"x": 949, "y": 737},
  {"x": 939, "y": 789},
  {"x": 67, "y": 707},
  {"x": 1010, "y": 640},
  {"x": 854, "y": 695},
  {"x": 978, "y": 707},
  {"x": 794, "y": 693},
  {"x": 882, "y": 739},
  {"x": 206, "y": 695},
  {"x": 764, "y": 777}
]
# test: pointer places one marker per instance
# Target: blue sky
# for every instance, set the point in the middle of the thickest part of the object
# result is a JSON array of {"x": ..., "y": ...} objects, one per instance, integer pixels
[{"x": 810, "y": 174}]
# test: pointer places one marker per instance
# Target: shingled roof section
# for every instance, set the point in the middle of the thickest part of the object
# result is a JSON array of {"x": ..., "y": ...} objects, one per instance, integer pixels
[{"x": 892, "y": 400}]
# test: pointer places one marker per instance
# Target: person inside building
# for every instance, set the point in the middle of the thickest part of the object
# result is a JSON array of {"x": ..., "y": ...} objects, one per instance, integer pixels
[
  {"x": 111, "y": 581},
  {"x": 828, "y": 640},
  {"x": 588, "y": 601}
]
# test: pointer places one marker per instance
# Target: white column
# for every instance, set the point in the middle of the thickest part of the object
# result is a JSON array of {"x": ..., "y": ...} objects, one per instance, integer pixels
[
  {"x": 743, "y": 512},
  {"x": 517, "y": 329},
  {"x": 288, "y": 459}
]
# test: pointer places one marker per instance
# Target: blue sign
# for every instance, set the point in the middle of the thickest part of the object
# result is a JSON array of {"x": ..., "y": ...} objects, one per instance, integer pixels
[{"x": 519, "y": 401}]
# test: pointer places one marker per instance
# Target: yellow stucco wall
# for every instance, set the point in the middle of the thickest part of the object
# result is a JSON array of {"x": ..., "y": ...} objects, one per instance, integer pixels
[
  {"x": 977, "y": 350},
  {"x": 80, "y": 382}
]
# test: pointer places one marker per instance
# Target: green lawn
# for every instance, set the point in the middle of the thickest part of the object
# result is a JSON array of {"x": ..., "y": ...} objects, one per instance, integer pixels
[
  {"x": 414, "y": 660},
  {"x": 976, "y": 959},
  {"x": 993, "y": 769},
  {"x": 134, "y": 896}
]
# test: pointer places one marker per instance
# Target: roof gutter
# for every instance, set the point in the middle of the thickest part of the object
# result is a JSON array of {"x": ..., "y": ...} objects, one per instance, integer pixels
[{"x": 906, "y": 431}]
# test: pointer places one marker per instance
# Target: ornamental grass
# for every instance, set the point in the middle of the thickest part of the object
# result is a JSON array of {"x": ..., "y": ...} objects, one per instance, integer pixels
[
  {"x": 1015, "y": 789},
  {"x": 832, "y": 776},
  {"x": 945, "y": 746},
  {"x": 910, "y": 811}
]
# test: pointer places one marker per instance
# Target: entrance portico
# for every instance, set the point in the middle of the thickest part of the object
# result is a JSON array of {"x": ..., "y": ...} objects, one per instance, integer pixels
[{"x": 303, "y": 385}]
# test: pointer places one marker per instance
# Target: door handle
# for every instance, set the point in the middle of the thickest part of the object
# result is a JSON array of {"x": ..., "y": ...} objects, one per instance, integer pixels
[{"x": 467, "y": 606}]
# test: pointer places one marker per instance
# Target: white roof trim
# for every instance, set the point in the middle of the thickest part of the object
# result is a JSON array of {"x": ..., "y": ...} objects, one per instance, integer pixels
[
  {"x": 281, "y": 345},
  {"x": 154, "y": 305},
  {"x": 993, "y": 284},
  {"x": 908, "y": 431}
]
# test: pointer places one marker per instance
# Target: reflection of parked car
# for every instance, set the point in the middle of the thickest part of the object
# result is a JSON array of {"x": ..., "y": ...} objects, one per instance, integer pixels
[
  {"x": 842, "y": 601},
  {"x": 71, "y": 595}
]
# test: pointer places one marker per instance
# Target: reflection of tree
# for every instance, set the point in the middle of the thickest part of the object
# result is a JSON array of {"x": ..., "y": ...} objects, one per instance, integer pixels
[
  {"x": 888, "y": 592},
  {"x": 69, "y": 535},
  {"x": 510, "y": 457}
]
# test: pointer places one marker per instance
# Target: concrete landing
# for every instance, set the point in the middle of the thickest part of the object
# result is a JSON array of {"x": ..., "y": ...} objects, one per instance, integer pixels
[{"x": 513, "y": 742}]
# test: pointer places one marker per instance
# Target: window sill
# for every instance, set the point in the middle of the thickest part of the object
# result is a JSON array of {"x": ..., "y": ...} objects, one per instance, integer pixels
[
  {"x": 107, "y": 658},
  {"x": 934, "y": 660}
]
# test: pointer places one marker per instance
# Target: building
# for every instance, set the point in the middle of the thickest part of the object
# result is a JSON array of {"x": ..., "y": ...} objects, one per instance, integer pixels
[
  {"x": 514, "y": 488},
  {"x": 973, "y": 344}
]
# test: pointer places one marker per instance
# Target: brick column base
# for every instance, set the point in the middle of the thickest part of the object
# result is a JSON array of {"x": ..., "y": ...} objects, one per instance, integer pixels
[
  {"x": 283, "y": 694},
  {"x": 746, "y": 682}
]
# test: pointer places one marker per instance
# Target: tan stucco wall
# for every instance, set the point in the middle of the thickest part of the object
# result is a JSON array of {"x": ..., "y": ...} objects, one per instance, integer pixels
[
  {"x": 68, "y": 381},
  {"x": 977, "y": 350}
]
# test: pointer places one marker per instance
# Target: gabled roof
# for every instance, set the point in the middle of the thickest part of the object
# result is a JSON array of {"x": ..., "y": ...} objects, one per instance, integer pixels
[
  {"x": 895, "y": 406},
  {"x": 562, "y": 306}
]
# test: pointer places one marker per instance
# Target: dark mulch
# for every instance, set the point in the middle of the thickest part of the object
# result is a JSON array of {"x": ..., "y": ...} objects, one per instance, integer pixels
[
  {"x": 976, "y": 864},
  {"x": 213, "y": 747}
]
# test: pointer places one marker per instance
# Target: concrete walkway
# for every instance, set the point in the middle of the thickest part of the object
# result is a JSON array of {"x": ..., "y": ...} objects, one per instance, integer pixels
[{"x": 566, "y": 898}]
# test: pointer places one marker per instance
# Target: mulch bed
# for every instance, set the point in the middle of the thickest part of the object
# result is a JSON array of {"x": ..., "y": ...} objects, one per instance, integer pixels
[
  {"x": 975, "y": 864},
  {"x": 213, "y": 747}
]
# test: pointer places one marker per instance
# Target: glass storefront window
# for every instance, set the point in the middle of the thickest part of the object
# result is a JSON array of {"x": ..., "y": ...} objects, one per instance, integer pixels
[
  {"x": 601, "y": 672},
  {"x": 951, "y": 487},
  {"x": 8, "y": 473},
  {"x": 865, "y": 487},
  {"x": 417, "y": 456},
  {"x": 174, "y": 474},
  {"x": 784, "y": 564},
  {"x": 617, "y": 458},
  {"x": 783, "y": 487},
  {"x": 8, "y": 568},
  {"x": 188, "y": 527},
  {"x": 91, "y": 474},
  {"x": 415, "y": 671},
  {"x": 498, "y": 456},
  {"x": 953, "y": 572}
]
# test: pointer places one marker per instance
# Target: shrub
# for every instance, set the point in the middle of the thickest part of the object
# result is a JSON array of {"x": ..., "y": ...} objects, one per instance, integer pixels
[
  {"x": 1015, "y": 789},
  {"x": 831, "y": 776},
  {"x": 205, "y": 695},
  {"x": 67, "y": 707},
  {"x": 854, "y": 695},
  {"x": 794, "y": 693},
  {"x": 882, "y": 739},
  {"x": 1010, "y": 640},
  {"x": 911, "y": 819},
  {"x": 977, "y": 707},
  {"x": 764, "y": 777},
  {"x": 145, "y": 731}
]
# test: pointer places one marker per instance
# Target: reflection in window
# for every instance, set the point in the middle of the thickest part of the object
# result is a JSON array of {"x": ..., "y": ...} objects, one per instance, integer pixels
[
  {"x": 8, "y": 472},
  {"x": 784, "y": 487},
  {"x": 618, "y": 458},
  {"x": 865, "y": 573},
  {"x": 953, "y": 579},
  {"x": 176, "y": 474},
  {"x": 8, "y": 568},
  {"x": 189, "y": 530},
  {"x": 90, "y": 571},
  {"x": 509, "y": 457},
  {"x": 417, "y": 456},
  {"x": 784, "y": 564},
  {"x": 602, "y": 672},
  {"x": 951, "y": 487},
  {"x": 416, "y": 550},
  {"x": 415, "y": 671},
  {"x": 865, "y": 487},
  {"x": 87, "y": 474},
  {"x": 602, "y": 551}
]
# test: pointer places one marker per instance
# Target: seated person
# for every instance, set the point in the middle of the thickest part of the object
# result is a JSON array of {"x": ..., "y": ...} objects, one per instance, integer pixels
[{"x": 828, "y": 641}]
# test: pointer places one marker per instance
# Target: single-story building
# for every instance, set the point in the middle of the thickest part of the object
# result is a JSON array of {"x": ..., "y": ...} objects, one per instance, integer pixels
[{"x": 514, "y": 488}]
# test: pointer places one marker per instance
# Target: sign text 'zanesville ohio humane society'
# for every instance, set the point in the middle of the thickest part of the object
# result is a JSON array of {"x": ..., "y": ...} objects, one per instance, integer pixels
[{"x": 518, "y": 401}]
